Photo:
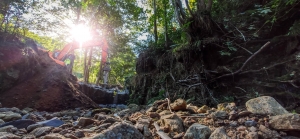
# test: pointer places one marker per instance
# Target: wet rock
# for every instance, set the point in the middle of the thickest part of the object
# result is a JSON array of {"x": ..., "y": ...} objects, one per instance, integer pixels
[
  {"x": 5, "y": 135},
  {"x": 85, "y": 121},
  {"x": 197, "y": 131},
  {"x": 9, "y": 116},
  {"x": 53, "y": 136},
  {"x": 288, "y": 121},
  {"x": 41, "y": 131},
  {"x": 19, "y": 123},
  {"x": 265, "y": 105},
  {"x": 250, "y": 123},
  {"x": 174, "y": 122},
  {"x": 219, "y": 133},
  {"x": 178, "y": 104},
  {"x": 119, "y": 130},
  {"x": 203, "y": 109}
]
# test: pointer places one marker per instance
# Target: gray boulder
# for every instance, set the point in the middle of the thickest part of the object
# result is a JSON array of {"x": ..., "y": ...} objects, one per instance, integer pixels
[
  {"x": 41, "y": 131},
  {"x": 197, "y": 131},
  {"x": 5, "y": 135},
  {"x": 19, "y": 123},
  {"x": 265, "y": 105},
  {"x": 1, "y": 122},
  {"x": 9, "y": 116},
  {"x": 288, "y": 121},
  {"x": 120, "y": 131},
  {"x": 219, "y": 133}
]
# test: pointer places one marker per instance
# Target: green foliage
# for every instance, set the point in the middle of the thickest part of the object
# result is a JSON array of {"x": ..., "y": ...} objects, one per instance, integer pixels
[
  {"x": 295, "y": 28},
  {"x": 47, "y": 42},
  {"x": 158, "y": 97}
]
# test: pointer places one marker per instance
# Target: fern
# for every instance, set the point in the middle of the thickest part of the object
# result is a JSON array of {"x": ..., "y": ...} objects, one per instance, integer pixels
[{"x": 294, "y": 29}]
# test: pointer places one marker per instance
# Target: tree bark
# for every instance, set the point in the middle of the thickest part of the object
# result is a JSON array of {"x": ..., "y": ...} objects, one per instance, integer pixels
[
  {"x": 166, "y": 24},
  {"x": 155, "y": 25}
]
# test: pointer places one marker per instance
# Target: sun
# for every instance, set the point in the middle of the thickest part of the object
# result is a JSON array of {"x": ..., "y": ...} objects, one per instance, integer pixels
[{"x": 81, "y": 33}]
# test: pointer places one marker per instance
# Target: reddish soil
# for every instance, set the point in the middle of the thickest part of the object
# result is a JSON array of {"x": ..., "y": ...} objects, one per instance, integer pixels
[{"x": 36, "y": 80}]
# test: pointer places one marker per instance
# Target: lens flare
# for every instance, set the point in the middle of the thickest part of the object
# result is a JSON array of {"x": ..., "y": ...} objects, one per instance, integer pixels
[{"x": 81, "y": 33}]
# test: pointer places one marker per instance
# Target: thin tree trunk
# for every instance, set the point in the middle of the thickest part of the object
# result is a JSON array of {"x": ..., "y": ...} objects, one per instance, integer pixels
[
  {"x": 166, "y": 24},
  {"x": 85, "y": 66},
  {"x": 155, "y": 18},
  {"x": 89, "y": 64}
]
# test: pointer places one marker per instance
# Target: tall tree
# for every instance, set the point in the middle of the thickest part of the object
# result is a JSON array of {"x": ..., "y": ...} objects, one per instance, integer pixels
[{"x": 155, "y": 21}]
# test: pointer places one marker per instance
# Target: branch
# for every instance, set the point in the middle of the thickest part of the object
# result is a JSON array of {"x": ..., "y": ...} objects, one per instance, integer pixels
[
  {"x": 161, "y": 133},
  {"x": 169, "y": 105},
  {"x": 245, "y": 63},
  {"x": 189, "y": 8},
  {"x": 244, "y": 49},
  {"x": 172, "y": 77},
  {"x": 266, "y": 68}
]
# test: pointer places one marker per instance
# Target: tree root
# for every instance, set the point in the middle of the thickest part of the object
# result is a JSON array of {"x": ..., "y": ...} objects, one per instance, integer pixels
[{"x": 245, "y": 63}]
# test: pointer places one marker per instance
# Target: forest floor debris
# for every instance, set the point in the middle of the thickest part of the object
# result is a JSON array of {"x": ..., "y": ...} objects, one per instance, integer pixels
[{"x": 155, "y": 121}]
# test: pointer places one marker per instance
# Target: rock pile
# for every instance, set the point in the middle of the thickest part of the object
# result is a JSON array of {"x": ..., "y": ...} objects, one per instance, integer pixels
[{"x": 263, "y": 118}]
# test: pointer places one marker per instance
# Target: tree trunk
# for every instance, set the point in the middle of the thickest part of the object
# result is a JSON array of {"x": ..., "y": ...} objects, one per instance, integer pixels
[
  {"x": 85, "y": 69},
  {"x": 155, "y": 25},
  {"x": 166, "y": 25},
  {"x": 89, "y": 64}
]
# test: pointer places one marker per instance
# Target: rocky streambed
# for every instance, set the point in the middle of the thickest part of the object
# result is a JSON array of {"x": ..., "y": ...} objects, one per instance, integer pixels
[{"x": 260, "y": 118}]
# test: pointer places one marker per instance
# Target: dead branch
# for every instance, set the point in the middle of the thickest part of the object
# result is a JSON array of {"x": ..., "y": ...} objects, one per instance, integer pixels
[
  {"x": 161, "y": 133},
  {"x": 266, "y": 68},
  {"x": 292, "y": 82},
  {"x": 169, "y": 105},
  {"x": 245, "y": 63},
  {"x": 172, "y": 77},
  {"x": 244, "y": 49},
  {"x": 241, "y": 89}
]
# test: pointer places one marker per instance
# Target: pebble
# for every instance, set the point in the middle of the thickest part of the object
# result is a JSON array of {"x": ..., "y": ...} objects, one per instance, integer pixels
[{"x": 250, "y": 123}]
